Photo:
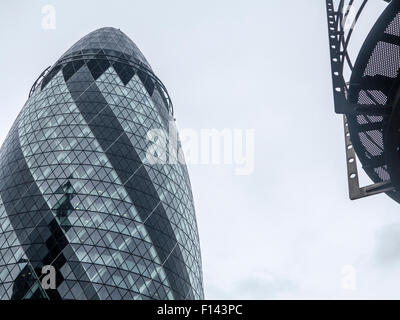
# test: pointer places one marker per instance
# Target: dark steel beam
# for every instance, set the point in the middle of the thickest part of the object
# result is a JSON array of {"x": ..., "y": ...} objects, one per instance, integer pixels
[{"x": 355, "y": 191}]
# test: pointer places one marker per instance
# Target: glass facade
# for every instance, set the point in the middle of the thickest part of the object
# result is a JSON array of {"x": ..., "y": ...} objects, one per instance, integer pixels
[{"x": 78, "y": 193}]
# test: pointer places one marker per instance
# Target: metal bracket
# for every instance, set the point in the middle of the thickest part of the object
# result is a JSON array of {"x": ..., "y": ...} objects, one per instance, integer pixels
[{"x": 355, "y": 191}]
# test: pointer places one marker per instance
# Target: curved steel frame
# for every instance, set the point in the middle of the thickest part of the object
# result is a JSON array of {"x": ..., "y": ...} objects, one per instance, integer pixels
[
  {"x": 108, "y": 57},
  {"x": 338, "y": 42},
  {"x": 39, "y": 80}
]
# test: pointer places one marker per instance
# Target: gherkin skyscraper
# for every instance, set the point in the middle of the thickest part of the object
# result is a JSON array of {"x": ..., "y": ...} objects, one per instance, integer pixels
[{"x": 77, "y": 192}]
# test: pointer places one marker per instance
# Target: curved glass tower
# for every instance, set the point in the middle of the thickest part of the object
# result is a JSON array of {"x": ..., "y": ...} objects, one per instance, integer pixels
[{"x": 77, "y": 192}]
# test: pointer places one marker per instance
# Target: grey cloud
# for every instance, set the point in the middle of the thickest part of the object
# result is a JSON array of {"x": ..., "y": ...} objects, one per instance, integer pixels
[{"x": 387, "y": 251}]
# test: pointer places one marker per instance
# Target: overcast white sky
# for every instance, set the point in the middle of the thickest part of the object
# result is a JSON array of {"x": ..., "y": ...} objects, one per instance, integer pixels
[{"x": 287, "y": 230}]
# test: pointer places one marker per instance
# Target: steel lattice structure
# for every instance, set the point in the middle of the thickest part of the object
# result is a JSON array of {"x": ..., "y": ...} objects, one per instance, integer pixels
[
  {"x": 78, "y": 194},
  {"x": 369, "y": 98}
]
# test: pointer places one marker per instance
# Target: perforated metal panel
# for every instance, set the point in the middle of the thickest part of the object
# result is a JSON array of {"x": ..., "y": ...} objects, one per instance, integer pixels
[
  {"x": 373, "y": 83},
  {"x": 370, "y": 99}
]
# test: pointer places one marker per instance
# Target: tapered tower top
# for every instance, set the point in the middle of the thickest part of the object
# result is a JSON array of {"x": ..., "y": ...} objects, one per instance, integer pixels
[{"x": 110, "y": 41}]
